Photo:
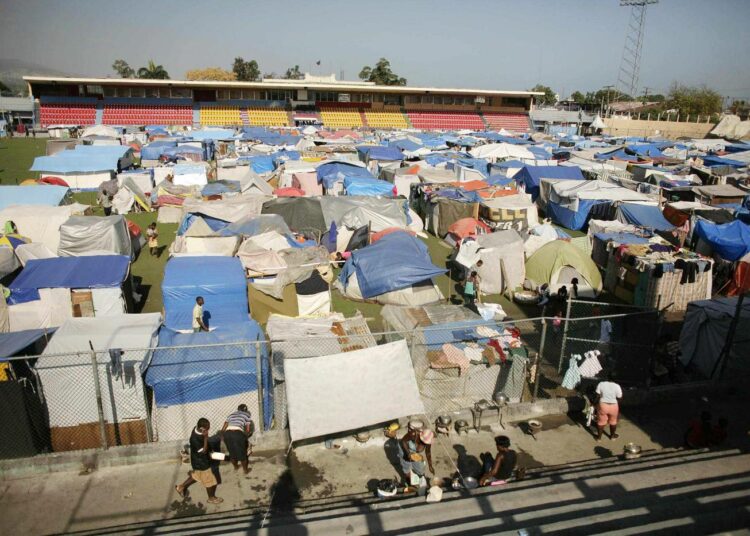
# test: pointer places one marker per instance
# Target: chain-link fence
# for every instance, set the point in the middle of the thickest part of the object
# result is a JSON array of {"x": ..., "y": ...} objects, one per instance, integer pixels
[{"x": 94, "y": 400}]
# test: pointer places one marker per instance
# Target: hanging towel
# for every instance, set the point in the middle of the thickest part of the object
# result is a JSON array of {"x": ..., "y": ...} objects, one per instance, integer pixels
[
  {"x": 590, "y": 366},
  {"x": 573, "y": 375}
]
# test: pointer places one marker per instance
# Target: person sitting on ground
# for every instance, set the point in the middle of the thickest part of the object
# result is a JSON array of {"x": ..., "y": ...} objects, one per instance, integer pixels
[
  {"x": 501, "y": 470},
  {"x": 699, "y": 430},
  {"x": 544, "y": 294},
  {"x": 414, "y": 448},
  {"x": 237, "y": 429},
  {"x": 608, "y": 409},
  {"x": 200, "y": 461},
  {"x": 719, "y": 432},
  {"x": 198, "y": 323}
]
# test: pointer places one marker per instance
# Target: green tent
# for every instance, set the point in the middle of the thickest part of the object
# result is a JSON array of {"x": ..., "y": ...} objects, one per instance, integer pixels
[{"x": 558, "y": 262}]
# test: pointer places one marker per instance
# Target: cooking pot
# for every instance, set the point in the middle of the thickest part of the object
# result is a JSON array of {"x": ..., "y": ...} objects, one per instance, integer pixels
[{"x": 501, "y": 399}]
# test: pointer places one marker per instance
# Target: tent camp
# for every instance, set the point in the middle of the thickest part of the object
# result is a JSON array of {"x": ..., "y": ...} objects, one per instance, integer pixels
[
  {"x": 49, "y": 291},
  {"x": 397, "y": 269},
  {"x": 67, "y": 382},
  {"x": 95, "y": 235},
  {"x": 41, "y": 224},
  {"x": 558, "y": 262},
  {"x": 531, "y": 176},
  {"x": 502, "y": 259},
  {"x": 44, "y": 194},
  {"x": 704, "y": 335},
  {"x": 730, "y": 241},
  {"x": 192, "y": 377}
]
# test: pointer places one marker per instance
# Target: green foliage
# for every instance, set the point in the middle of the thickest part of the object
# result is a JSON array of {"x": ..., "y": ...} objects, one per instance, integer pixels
[
  {"x": 693, "y": 100},
  {"x": 293, "y": 73},
  {"x": 246, "y": 71},
  {"x": 123, "y": 69},
  {"x": 549, "y": 98},
  {"x": 153, "y": 72},
  {"x": 381, "y": 74},
  {"x": 578, "y": 97}
]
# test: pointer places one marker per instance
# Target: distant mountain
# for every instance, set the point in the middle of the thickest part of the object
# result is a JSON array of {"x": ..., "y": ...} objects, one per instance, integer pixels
[{"x": 12, "y": 72}]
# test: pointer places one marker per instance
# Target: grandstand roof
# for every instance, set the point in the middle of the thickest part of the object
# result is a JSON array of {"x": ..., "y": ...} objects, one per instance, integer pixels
[{"x": 270, "y": 83}]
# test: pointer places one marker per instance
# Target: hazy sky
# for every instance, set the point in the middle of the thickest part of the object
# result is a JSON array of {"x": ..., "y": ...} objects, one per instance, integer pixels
[{"x": 497, "y": 44}]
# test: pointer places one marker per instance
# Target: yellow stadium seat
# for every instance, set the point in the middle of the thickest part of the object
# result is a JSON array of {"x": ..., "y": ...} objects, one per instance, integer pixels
[
  {"x": 268, "y": 117},
  {"x": 220, "y": 115},
  {"x": 341, "y": 117}
]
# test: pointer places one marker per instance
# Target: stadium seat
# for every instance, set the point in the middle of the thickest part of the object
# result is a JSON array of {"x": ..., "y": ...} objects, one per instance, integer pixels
[
  {"x": 268, "y": 117},
  {"x": 389, "y": 117},
  {"x": 510, "y": 122},
  {"x": 67, "y": 114},
  {"x": 445, "y": 120},
  {"x": 341, "y": 116},
  {"x": 147, "y": 114},
  {"x": 220, "y": 116}
]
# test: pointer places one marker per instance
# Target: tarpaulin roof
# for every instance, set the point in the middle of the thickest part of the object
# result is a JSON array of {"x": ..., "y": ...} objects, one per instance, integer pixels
[
  {"x": 299, "y": 213},
  {"x": 262, "y": 164},
  {"x": 731, "y": 241},
  {"x": 48, "y": 195},
  {"x": 183, "y": 369},
  {"x": 352, "y": 385},
  {"x": 255, "y": 225},
  {"x": 396, "y": 261},
  {"x": 712, "y": 161},
  {"x": 368, "y": 187},
  {"x": 622, "y": 238},
  {"x": 220, "y": 280},
  {"x": 15, "y": 341},
  {"x": 95, "y": 271},
  {"x": 155, "y": 149},
  {"x": 406, "y": 145},
  {"x": 212, "y": 134},
  {"x": 74, "y": 161},
  {"x": 378, "y": 152},
  {"x": 532, "y": 175},
  {"x": 649, "y": 216},
  {"x": 333, "y": 172}
]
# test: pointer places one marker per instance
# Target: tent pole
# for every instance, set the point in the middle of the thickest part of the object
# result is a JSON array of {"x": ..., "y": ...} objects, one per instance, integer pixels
[
  {"x": 259, "y": 382},
  {"x": 565, "y": 335},
  {"x": 98, "y": 390}
]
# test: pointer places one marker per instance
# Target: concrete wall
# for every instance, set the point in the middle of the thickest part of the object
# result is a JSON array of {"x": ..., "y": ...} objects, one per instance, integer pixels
[{"x": 618, "y": 126}]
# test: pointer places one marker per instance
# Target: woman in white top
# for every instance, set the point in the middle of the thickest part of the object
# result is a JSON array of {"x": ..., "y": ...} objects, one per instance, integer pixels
[{"x": 608, "y": 409}]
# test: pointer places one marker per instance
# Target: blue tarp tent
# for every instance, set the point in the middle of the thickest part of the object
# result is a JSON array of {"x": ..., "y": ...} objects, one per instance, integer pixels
[
  {"x": 622, "y": 238},
  {"x": 573, "y": 219},
  {"x": 332, "y": 172},
  {"x": 378, "y": 152},
  {"x": 396, "y": 261},
  {"x": 649, "y": 216},
  {"x": 220, "y": 280},
  {"x": 262, "y": 164},
  {"x": 155, "y": 149},
  {"x": 212, "y": 134},
  {"x": 95, "y": 271},
  {"x": 405, "y": 145},
  {"x": 731, "y": 241},
  {"x": 182, "y": 369},
  {"x": 15, "y": 341},
  {"x": 255, "y": 225},
  {"x": 214, "y": 224},
  {"x": 83, "y": 159},
  {"x": 47, "y": 195},
  {"x": 531, "y": 176},
  {"x": 367, "y": 187},
  {"x": 714, "y": 161}
]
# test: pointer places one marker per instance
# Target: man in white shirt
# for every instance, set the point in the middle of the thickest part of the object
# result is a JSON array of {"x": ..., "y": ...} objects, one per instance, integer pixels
[
  {"x": 608, "y": 408},
  {"x": 198, "y": 324}
]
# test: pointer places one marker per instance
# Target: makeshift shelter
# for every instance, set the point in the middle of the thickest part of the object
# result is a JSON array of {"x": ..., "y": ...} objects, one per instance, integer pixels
[
  {"x": 465, "y": 228},
  {"x": 9, "y": 262},
  {"x": 503, "y": 265},
  {"x": 41, "y": 224},
  {"x": 221, "y": 282},
  {"x": 191, "y": 377},
  {"x": 642, "y": 215},
  {"x": 509, "y": 212},
  {"x": 719, "y": 194},
  {"x": 95, "y": 235},
  {"x": 86, "y": 166},
  {"x": 396, "y": 269},
  {"x": 49, "y": 291},
  {"x": 558, "y": 262},
  {"x": 730, "y": 241},
  {"x": 368, "y": 187},
  {"x": 65, "y": 374},
  {"x": 484, "y": 359},
  {"x": 501, "y": 151},
  {"x": 704, "y": 337},
  {"x": 301, "y": 214},
  {"x": 531, "y": 176},
  {"x": 190, "y": 175},
  {"x": 47, "y": 195},
  {"x": 306, "y": 298},
  {"x": 335, "y": 172}
]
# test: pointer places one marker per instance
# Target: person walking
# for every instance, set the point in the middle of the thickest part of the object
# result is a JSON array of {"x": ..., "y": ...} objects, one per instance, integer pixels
[
  {"x": 236, "y": 431},
  {"x": 153, "y": 239},
  {"x": 200, "y": 462},
  {"x": 414, "y": 448},
  {"x": 198, "y": 323},
  {"x": 608, "y": 408}
]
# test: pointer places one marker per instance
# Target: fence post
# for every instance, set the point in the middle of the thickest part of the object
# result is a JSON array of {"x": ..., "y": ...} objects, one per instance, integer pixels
[
  {"x": 259, "y": 382},
  {"x": 540, "y": 357},
  {"x": 99, "y": 404},
  {"x": 565, "y": 335}
]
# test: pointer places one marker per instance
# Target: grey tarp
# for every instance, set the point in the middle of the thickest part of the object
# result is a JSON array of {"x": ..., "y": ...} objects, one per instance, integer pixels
[
  {"x": 299, "y": 213},
  {"x": 342, "y": 392},
  {"x": 449, "y": 212},
  {"x": 89, "y": 235},
  {"x": 705, "y": 331},
  {"x": 391, "y": 212},
  {"x": 300, "y": 262}
]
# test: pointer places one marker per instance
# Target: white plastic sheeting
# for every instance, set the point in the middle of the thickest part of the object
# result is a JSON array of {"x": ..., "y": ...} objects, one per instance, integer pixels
[
  {"x": 495, "y": 151},
  {"x": 568, "y": 193},
  {"x": 503, "y": 265},
  {"x": 39, "y": 223},
  {"x": 94, "y": 235},
  {"x": 342, "y": 392}
]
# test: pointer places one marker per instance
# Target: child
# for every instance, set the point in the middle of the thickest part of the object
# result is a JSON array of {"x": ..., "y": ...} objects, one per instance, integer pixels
[
  {"x": 471, "y": 288},
  {"x": 557, "y": 322},
  {"x": 153, "y": 239}
]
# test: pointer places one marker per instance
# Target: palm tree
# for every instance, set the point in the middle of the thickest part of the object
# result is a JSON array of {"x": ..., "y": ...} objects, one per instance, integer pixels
[{"x": 153, "y": 72}]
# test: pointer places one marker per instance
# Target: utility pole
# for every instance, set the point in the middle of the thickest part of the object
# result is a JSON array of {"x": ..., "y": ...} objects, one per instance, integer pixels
[
  {"x": 630, "y": 63},
  {"x": 608, "y": 88}
]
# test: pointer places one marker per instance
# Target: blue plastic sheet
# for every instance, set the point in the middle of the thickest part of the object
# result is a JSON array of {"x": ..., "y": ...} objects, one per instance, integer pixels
[
  {"x": 15, "y": 341},
  {"x": 213, "y": 134},
  {"x": 214, "y": 224},
  {"x": 368, "y": 187},
  {"x": 622, "y": 238},
  {"x": 83, "y": 159},
  {"x": 95, "y": 271},
  {"x": 378, "y": 152},
  {"x": 731, "y": 241},
  {"x": 531, "y": 176},
  {"x": 332, "y": 172},
  {"x": 262, "y": 164},
  {"x": 649, "y": 216},
  {"x": 255, "y": 225},
  {"x": 47, "y": 195},
  {"x": 155, "y": 149},
  {"x": 573, "y": 219},
  {"x": 396, "y": 261},
  {"x": 220, "y": 280}
]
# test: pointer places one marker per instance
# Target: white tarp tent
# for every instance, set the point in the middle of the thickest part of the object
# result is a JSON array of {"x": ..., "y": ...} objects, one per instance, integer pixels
[
  {"x": 503, "y": 264},
  {"x": 500, "y": 151},
  {"x": 567, "y": 193},
  {"x": 341, "y": 392},
  {"x": 94, "y": 235},
  {"x": 39, "y": 223}
]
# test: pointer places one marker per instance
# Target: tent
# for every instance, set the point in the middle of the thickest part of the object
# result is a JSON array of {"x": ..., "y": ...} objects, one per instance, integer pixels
[
  {"x": 731, "y": 241},
  {"x": 704, "y": 334},
  {"x": 86, "y": 166},
  {"x": 498, "y": 151},
  {"x": 66, "y": 378},
  {"x": 531, "y": 176},
  {"x": 300, "y": 213},
  {"x": 353, "y": 383},
  {"x": 334, "y": 172},
  {"x": 368, "y": 153},
  {"x": 502, "y": 259},
  {"x": 47, "y": 195},
  {"x": 189, "y": 175},
  {"x": 396, "y": 262},
  {"x": 558, "y": 262},
  {"x": 642, "y": 215},
  {"x": 510, "y": 212},
  {"x": 221, "y": 282},
  {"x": 207, "y": 374},
  {"x": 367, "y": 187},
  {"x": 94, "y": 235},
  {"x": 41, "y": 224}
]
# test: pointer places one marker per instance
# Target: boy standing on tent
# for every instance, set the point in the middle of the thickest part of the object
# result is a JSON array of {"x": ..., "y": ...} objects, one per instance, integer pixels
[
  {"x": 198, "y": 323},
  {"x": 153, "y": 239},
  {"x": 200, "y": 461}
]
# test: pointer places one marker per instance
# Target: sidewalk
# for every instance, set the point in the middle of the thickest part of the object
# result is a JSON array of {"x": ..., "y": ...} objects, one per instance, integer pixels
[{"x": 71, "y": 501}]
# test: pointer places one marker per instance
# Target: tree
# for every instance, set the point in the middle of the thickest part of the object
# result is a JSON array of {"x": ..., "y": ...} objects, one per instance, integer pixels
[
  {"x": 246, "y": 71},
  {"x": 693, "y": 100},
  {"x": 293, "y": 73},
  {"x": 211, "y": 73},
  {"x": 153, "y": 72},
  {"x": 381, "y": 74},
  {"x": 272, "y": 74},
  {"x": 122, "y": 68},
  {"x": 578, "y": 97},
  {"x": 549, "y": 97}
]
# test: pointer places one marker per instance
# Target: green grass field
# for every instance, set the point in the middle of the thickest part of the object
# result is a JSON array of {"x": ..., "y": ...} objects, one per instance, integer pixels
[{"x": 17, "y": 156}]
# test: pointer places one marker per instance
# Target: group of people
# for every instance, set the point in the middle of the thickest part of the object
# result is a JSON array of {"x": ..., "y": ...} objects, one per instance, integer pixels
[{"x": 236, "y": 432}]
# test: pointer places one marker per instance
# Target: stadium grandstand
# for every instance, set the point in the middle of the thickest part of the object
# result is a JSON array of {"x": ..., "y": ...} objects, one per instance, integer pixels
[{"x": 274, "y": 103}]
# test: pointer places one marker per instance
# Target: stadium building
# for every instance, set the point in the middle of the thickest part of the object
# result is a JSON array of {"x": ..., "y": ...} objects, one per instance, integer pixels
[{"x": 274, "y": 103}]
